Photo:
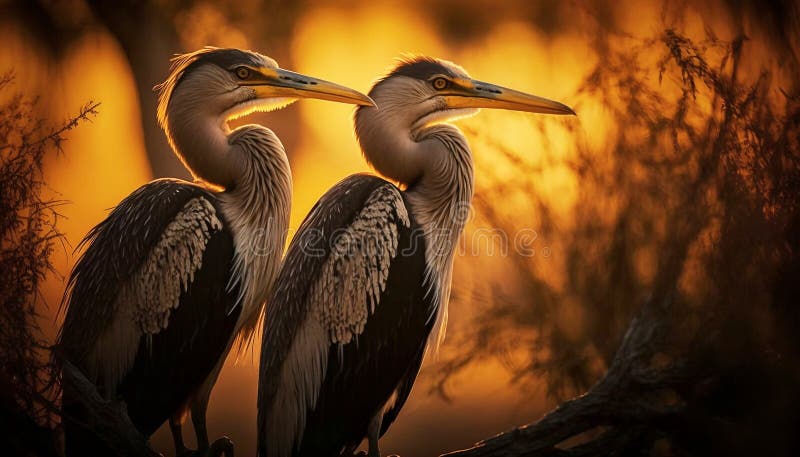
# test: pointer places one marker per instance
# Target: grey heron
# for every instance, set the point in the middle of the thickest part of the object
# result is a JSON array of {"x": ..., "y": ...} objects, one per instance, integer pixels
[
  {"x": 365, "y": 283},
  {"x": 179, "y": 270}
]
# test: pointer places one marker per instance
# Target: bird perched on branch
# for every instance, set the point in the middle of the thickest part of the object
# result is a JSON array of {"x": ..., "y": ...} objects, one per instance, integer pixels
[
  {"x": 178, "y": 270},
  {"x": 364, "y": 287}
]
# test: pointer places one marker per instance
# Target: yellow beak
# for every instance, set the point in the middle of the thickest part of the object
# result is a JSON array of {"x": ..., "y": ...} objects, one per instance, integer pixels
[
  {"x": 470, "y": 93},
  {"x": 277, "y": 82}
]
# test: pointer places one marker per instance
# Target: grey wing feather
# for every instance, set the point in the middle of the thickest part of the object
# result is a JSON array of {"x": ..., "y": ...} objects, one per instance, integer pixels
[
  {"x": 330, "y": 282},
  {"x": 139, "y": 258}
]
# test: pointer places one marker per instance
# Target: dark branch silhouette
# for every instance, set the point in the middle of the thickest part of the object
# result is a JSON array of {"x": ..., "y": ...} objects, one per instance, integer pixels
[
  {"x": 703, "y": 180},
  {"x": 29, "y": 384}
]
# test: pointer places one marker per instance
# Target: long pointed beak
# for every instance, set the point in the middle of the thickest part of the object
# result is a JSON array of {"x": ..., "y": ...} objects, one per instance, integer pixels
[
  {"x": 467, "y": 93},
  {"x": 271, "y": 83}
]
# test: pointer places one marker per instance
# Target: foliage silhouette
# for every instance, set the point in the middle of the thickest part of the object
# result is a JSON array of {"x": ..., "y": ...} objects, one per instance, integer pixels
[
  {"x": 681, "y": 265},
  {"x": 28, "y": 234}
]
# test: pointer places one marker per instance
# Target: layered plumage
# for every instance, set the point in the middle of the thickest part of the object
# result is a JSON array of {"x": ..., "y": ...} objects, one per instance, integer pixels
[
  {"x": 348, "y": 293},
  {"x": 179, "y": 270},
  {"x": 156, "y": 301},
  {"x": 366, "y": 281}
]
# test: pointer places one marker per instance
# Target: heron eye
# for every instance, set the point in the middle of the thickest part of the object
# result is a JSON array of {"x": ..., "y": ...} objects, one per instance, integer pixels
[
  {"x": 243, "y": 72},
  {"x": 440, "y": 83}
]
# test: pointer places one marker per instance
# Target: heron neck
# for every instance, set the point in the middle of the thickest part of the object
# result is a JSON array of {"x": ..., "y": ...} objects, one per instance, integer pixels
[
  {"x": 257, "y": 209},
  {"x": 201, "y": 142},
  {"x": 251, "y": 165},
  {"x": 440, "y": 201},
  {"x": 435, "y": 163}
]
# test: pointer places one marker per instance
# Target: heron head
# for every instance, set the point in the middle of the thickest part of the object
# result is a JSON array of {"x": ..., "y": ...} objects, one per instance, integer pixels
[
  {"x": 422, "y": 91},
  {"x": 230, "y": 83}
]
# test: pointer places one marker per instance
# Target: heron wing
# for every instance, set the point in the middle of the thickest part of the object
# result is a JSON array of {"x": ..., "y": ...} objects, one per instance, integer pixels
[
  {"x": 140, "y": 264},
  {"x": 333, "y": 288},
  {"x": 173, "y": 363},
  {"x": 373, "y": 374}
]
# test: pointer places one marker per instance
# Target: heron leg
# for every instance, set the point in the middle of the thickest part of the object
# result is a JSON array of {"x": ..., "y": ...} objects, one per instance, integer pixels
[
  {"x": 176, "y": 427},
  {"x": 373, "y": 433},
  {"x": 221, "y": 447},
  {"x": 199, "y": 405},
  {"x": 199, "y": 408}
]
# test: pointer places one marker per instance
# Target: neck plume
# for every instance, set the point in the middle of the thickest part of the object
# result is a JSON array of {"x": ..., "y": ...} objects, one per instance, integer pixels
[
  {"x": 257, "y": 209},
  {"x": 441, "y": 201}
]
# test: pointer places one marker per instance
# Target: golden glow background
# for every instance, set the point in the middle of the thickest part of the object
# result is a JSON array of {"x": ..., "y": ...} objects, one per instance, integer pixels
[{"x": 353, "y": 44}]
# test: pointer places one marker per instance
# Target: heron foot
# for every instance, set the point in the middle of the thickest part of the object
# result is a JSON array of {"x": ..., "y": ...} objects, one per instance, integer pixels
[
  {"x": 220, "y": 447},
  {"x": 366, "y": 454}
]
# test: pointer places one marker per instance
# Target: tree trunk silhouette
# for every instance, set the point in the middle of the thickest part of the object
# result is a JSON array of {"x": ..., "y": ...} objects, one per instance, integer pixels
[
  {"x": 625, "y": 400},
  {"x": 149, "y": 40}
]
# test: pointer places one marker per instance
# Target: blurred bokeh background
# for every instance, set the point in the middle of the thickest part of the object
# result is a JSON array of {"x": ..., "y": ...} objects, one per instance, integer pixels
[{"x": 595, "y": 199}]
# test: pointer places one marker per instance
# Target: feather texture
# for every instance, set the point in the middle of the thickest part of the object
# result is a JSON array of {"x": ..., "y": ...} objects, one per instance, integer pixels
[
  {"x": 155, "y": 289},
  {"x": 146, "y": 315},
  {"x": 354, "y": 275},
  {"x": 336, "y": 271},
  {"x": 116, "y": 250}
]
